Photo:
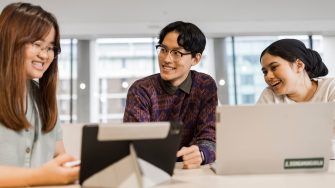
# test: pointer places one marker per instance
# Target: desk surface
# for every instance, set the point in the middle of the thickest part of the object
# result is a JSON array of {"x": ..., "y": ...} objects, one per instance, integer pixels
[{"x": 205, "y": 177}]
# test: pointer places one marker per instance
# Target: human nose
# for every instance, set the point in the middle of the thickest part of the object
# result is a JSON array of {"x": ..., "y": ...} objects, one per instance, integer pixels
[
  {"x": 43, "y": 53},
  {"x": 269, "y": 75},
  {"x": 168, "y": 57}
]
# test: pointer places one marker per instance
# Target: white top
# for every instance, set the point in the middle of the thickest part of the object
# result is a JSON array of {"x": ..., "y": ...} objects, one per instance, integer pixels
[
  {"x": 30, "y": 147},
  {"x": 324, "y": 93}
]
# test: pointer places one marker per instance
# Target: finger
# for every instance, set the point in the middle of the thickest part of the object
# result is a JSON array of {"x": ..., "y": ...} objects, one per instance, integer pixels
[
  {"x": 74, "y": 172},
  {"x": 190, "y": 150},
  {"x": 182, "y": 151},
  {"x": 64, "y": 158},
  {"x": 190, "y": 166},
  {"x": 194, "y": 154},
  {"x": 196, "y": 160},
  {"x": 186, "y": 150}
]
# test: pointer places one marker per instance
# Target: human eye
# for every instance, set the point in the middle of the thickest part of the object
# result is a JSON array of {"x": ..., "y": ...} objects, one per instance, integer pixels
[
  {"x": 274, "y": 68},
  {"x": 163, "y": 50},
  {"x": 37, "y": 44},
  {"x": 50, "y": 48},
  {"x": 176, "y": 53},
  {"x": 265, "y": 72}
]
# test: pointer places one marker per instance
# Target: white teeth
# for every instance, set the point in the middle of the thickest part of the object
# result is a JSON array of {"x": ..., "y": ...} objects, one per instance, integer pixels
[{"x": 38, "y": 64}]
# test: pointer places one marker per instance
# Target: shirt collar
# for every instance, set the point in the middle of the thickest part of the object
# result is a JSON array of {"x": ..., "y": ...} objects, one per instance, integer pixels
[{"x": 184, "y": 86}]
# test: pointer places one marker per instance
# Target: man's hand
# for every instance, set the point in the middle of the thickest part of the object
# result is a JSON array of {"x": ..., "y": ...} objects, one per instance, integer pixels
[{"x": 191, "y": 156}]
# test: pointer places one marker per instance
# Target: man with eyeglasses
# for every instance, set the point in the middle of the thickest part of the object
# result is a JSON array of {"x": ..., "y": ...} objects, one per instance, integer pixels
[{"x": 178, "y": 93}]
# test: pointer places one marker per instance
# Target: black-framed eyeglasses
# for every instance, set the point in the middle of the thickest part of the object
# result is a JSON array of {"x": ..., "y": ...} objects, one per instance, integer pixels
[{"x": 176, "y": 55}]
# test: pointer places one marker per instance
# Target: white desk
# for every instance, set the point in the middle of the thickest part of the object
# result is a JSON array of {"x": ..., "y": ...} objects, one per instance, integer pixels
[{"x": 204, "y": 177}]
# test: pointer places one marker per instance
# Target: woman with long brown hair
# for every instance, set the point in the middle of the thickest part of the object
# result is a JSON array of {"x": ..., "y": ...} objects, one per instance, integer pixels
[{"x": 31, "y": 147}]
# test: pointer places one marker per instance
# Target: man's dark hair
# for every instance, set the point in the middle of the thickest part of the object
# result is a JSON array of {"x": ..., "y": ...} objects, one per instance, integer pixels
[{"x": 190, "y": 36}]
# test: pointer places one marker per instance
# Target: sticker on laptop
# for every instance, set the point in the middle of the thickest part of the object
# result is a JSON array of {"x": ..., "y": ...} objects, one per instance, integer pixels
[{"x": 304, "y": 163}]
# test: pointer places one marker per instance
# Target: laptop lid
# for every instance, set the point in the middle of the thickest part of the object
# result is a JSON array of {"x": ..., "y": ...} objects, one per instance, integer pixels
[
  {"x": 72, "y": 134},
  {"x": 128, "y": 154},
  {"x": 274, "y": 138}
]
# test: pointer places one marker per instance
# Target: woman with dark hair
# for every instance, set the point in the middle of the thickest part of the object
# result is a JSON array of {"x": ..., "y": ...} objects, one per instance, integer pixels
[
  {"x": 31, "y": 147},
  {"x": 293, "y": 73}
]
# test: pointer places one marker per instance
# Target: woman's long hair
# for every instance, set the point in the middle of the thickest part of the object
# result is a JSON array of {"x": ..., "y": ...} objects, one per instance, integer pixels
[{"x": 22, "y": 24}]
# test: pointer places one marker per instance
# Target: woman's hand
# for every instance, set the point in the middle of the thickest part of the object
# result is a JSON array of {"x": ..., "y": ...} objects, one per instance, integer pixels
[{"x": 53, "y": 172}]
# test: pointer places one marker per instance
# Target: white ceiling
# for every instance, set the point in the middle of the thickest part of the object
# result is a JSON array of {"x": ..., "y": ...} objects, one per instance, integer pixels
[{"x": 128, "y": 18}]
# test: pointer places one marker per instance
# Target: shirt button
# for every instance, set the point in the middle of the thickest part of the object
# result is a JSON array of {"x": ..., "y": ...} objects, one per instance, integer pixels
[{"x": 27, "y": 150}]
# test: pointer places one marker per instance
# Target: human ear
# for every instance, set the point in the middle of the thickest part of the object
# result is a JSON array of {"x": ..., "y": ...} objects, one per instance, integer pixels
[
  {"x": 300, "y": 65},
  {"x": 196, "y": 59}
]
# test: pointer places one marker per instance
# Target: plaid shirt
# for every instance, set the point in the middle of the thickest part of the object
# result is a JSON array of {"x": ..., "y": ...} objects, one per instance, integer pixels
[{"x": 148, "y": 101}]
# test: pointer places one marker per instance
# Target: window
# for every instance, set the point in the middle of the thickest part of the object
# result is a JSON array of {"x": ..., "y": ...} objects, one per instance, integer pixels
[
  {"x": 247, "y": 80},
  {"x": 248, "y": 98},
  {"x": 244, "y": 69},
  {"x": 121, "y": 61},
  {"x": 67, "y": 94}
]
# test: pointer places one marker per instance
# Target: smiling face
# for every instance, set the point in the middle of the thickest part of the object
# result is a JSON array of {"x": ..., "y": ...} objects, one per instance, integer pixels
[
  {"x": 175, "y": 71},
  {"x": 39, "y": 56},
  {"x": 283, "y": 77}
]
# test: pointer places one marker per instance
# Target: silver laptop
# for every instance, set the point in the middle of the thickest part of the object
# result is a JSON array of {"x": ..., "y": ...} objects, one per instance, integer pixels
[{"x": 274, "y": 138}]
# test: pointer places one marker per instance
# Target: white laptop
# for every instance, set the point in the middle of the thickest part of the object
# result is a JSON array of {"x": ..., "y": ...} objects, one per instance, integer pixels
[
  {"x": 274, "y": 138},
  {"x": 72, "y": 133}
]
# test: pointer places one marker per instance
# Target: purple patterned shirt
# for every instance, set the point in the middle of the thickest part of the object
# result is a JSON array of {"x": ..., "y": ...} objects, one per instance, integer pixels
[{"x": 148, "y": 101}]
